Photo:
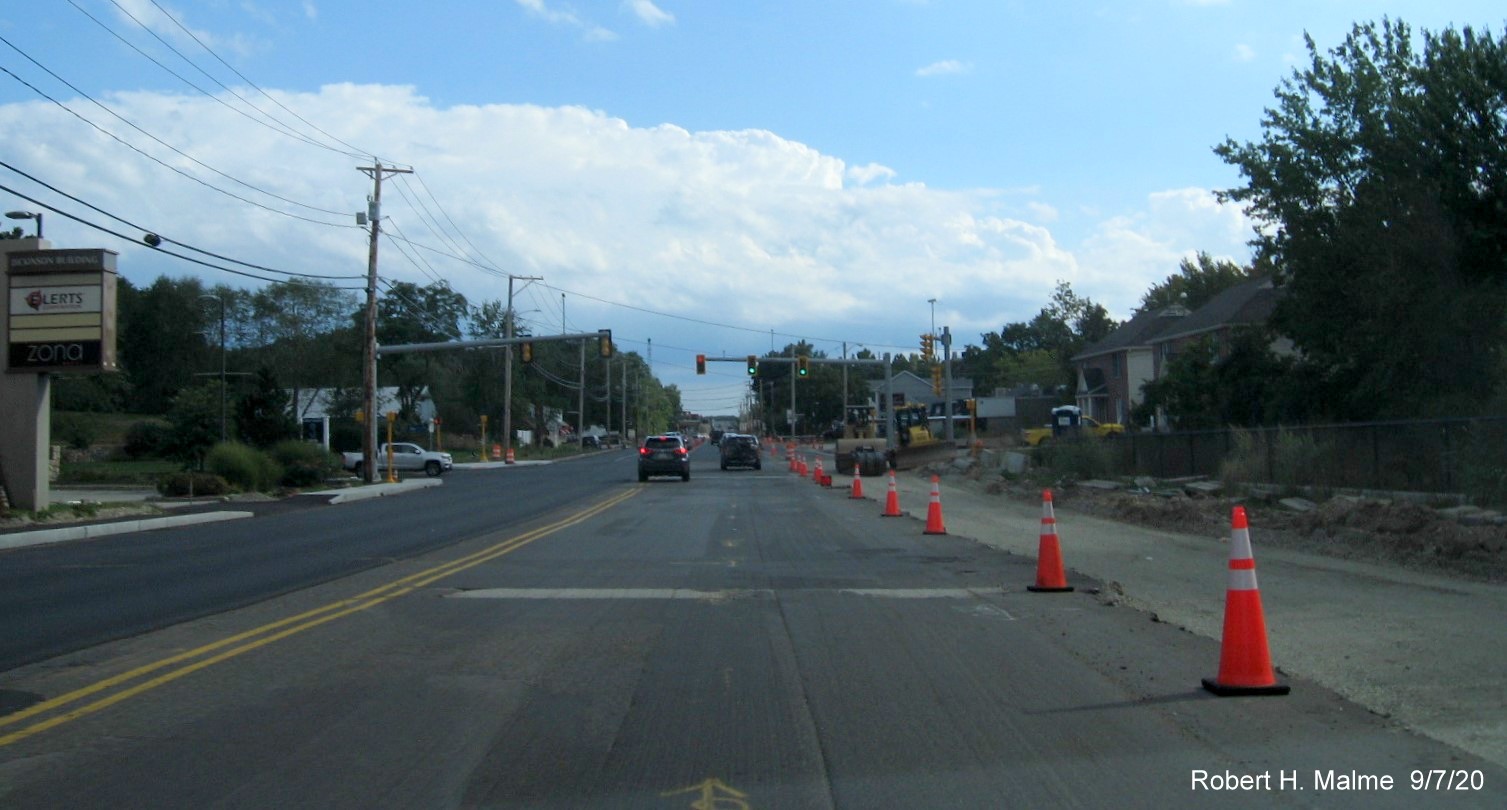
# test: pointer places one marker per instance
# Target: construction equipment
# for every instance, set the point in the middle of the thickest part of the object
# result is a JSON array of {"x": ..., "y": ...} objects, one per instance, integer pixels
[
  {"x": 860, "y": 439},
  {"x": 915, "y": 444}
]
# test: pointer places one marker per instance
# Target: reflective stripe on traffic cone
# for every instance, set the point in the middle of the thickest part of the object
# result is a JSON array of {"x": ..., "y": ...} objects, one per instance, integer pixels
[
  {"x": 934, "y": 509},
  {"x": 857, "y": 492},
  {"x": 1050, "y": 578},
  {"x": 892, "y": 500},
  {"x": 1245, "y": 663}
]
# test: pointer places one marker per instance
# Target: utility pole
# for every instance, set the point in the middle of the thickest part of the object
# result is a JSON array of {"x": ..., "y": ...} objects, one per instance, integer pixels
[
  {"x": 947, "y": 384},
  {"x": 581, "y": 414},
  {"x": 507, "y": 367},
  {"x": 369, "y": 368}
]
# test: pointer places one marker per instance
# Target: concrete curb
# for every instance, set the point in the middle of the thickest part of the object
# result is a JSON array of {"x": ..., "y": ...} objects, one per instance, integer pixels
[
  {"x": 376, "y": 490},
  {"x": 93, "y": 530}
]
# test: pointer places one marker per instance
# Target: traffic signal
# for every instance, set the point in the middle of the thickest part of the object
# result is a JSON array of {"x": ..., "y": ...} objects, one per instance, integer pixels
[
  {"x": 802, "y": 365},
  {"x": 526, "y": 352},
  {"x": 753, "y": 364},
  {"x": 927, "y": 341},
  {"x": 700, "y": 364},
  {"x": 936, "y": 380},
  {"x": 604, "y": 343}
]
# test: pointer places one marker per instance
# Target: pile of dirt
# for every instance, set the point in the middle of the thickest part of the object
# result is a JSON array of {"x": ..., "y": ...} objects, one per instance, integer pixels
[{"x": 1395, "y": 533}]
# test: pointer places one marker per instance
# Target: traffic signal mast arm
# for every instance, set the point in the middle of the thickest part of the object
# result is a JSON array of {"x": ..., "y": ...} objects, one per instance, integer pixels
[{"x": 603, "y": 337}]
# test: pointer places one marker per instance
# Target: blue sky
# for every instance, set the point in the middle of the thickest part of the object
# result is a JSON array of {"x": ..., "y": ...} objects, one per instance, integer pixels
[{"x": 816, "y": 169}]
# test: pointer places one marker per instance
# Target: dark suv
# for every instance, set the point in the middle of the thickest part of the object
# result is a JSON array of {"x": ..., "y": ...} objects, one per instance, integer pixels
[
  {"x": 664, "y": 455},
  {"x": 740, "y": 451}
]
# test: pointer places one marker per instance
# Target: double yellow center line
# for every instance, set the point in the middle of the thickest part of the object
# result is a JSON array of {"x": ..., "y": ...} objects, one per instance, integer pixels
[{"x": 187, "y": 663}]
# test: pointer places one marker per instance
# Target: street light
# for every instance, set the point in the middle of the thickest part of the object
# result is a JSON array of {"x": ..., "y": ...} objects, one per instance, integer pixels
[
  {"x": 37, "y": 215},
  {"x": 221, "y": 302}
]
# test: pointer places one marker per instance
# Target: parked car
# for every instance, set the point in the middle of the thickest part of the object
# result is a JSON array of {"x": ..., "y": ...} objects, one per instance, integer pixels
[
  {"x": 740, "y": 451},
  {"x": 405, "y": 456},
  {"x": 591, "y": 443},
  {"x": 664, "y": 455}
]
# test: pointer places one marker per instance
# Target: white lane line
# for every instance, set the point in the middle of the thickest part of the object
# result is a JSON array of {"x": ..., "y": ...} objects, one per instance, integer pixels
[{"x": 712, "y": 595}]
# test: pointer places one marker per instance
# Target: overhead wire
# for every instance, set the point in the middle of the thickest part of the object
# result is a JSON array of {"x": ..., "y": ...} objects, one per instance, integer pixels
[
  {"x": 159, "y": 249},
  {"x": 145, "y": 230},
  {"x": 281, "y": 128},
  {"x": 173, "y": 169},
  {"x": 357, "y": 150}
]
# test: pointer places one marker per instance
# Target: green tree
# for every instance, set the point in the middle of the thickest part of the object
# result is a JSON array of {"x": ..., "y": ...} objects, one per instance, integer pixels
[
  {"x": 1242, "y": 384},
  {"x": 1196, "y": 281},
  {"x": 194, "y": 416},
  {"x": 262, "y": 415},
  {"x": 163, "y": 339},
  {"x": 1379, "y": 189},
  {"x": 1039, "y": 351},
  {"x": 408, "y": 313}
]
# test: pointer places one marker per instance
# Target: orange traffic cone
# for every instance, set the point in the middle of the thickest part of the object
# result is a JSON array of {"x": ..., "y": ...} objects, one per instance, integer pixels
[
  {"x": 817, "y": 477},
  {"x": 1050, "y": 577},
  {"x": 857, "y": 493},
  {"x": 510, "y": 455},
  {"x": 1245, "y": 663},
  {"x": 892, "y": 500},
  {"x": 934, "y": 509}
]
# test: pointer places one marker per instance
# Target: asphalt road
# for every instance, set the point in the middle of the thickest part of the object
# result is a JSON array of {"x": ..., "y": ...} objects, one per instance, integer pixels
[
  {"x": 60, "y": 598},
  {"x": 744, "y": 640}
]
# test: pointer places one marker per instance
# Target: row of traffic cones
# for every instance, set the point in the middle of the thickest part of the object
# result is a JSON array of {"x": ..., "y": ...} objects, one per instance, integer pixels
[{"x": 1245, "y": 666}]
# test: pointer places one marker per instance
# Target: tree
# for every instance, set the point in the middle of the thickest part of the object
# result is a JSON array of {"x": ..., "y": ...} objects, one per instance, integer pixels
[
  {"x": 1040, "y": 351},
  {"x": 1206, "y": 387},
  {"x": 1379, "y": 189},
  {"x": 163, "y": 340},
  {"x": 195, "y": 419},
  {"x": 1196, "y": 281},
  {"x": 409, "y": 313},
  {"x": 262, "y": 415}
]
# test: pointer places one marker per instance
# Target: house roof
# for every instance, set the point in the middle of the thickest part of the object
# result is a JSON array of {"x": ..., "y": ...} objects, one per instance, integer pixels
[
  {"x": 1247, "y": 303},
  {"x": 1138, "y": 331}
]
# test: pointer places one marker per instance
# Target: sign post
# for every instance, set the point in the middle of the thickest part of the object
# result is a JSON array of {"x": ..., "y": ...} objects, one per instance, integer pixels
[{"x": 59, "y": 317}]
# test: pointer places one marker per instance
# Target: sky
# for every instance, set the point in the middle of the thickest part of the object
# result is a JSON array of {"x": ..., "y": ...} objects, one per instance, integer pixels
[{"x": 718, "y": 178}]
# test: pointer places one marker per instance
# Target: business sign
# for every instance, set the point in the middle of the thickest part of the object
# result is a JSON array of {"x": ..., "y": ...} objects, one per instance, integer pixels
[{"x": 60, "y": 311}]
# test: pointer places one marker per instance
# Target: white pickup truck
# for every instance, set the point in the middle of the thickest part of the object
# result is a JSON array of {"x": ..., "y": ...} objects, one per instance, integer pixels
[{"x": 405, "y": 456}]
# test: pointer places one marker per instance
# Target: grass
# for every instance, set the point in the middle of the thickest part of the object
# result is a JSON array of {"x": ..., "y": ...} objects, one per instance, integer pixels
[{"x": 142, "y": 473}]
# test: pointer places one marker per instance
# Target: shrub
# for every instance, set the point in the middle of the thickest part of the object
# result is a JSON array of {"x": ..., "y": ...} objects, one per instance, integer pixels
[
  {"x": 183, "y": 484},
  {"x": 1078, "y": 458},
  {"x": 303, "y": 463},
  {"x": 147, "y": 439},
  {"x": 74, "y": 430},
  {"x": 244, "y": 468}
]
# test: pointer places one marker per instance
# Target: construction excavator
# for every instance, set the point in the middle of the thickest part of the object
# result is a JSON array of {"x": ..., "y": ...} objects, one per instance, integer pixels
[{"x": 915, "y": 445}]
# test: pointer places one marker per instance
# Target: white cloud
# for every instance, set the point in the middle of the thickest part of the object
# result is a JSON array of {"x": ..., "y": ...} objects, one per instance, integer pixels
[
  {"x": 1244, "y": 53},
  {"x": 1128, "y": 253},
  {"x": 566, "y": 16},
  {"x": 946, "y": 67},
  {"x": 863, "y": 175},
  {"x": 780, "y": 235},
  {"x": 648, "y": 13},
  {"x": 310, "y": 10}
]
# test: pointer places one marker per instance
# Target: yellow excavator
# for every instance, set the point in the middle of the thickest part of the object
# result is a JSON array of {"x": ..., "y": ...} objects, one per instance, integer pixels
[{"x": 915, "y": 445}]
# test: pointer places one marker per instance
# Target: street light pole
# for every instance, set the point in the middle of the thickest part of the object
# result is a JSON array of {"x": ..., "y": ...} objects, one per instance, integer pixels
[{"x": 36, "y": 215}]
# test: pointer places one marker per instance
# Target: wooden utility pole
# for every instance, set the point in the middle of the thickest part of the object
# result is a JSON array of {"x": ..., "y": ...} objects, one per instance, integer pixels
[
  {"x": 507, "y": 367},
  {"x": 369, "y": 368}
]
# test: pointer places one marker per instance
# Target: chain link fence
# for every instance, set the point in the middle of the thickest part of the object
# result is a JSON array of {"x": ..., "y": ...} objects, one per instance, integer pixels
[{"x": 1458, "y": 455}]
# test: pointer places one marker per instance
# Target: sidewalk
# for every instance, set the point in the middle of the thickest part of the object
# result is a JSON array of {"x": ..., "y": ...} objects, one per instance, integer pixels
[
  {"x": 86, "y": 530},
  {"x": 1423, "y": 649}
]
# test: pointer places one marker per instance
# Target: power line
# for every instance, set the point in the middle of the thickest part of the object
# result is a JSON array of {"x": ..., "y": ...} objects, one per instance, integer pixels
[
  {"x": 185, "y": 245},
  {"x": 159, "y": 249},
  {"x": 358, "y": 151},
  {"x": 281, "y": 128},
  {"x": 163, "y": 143}
]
